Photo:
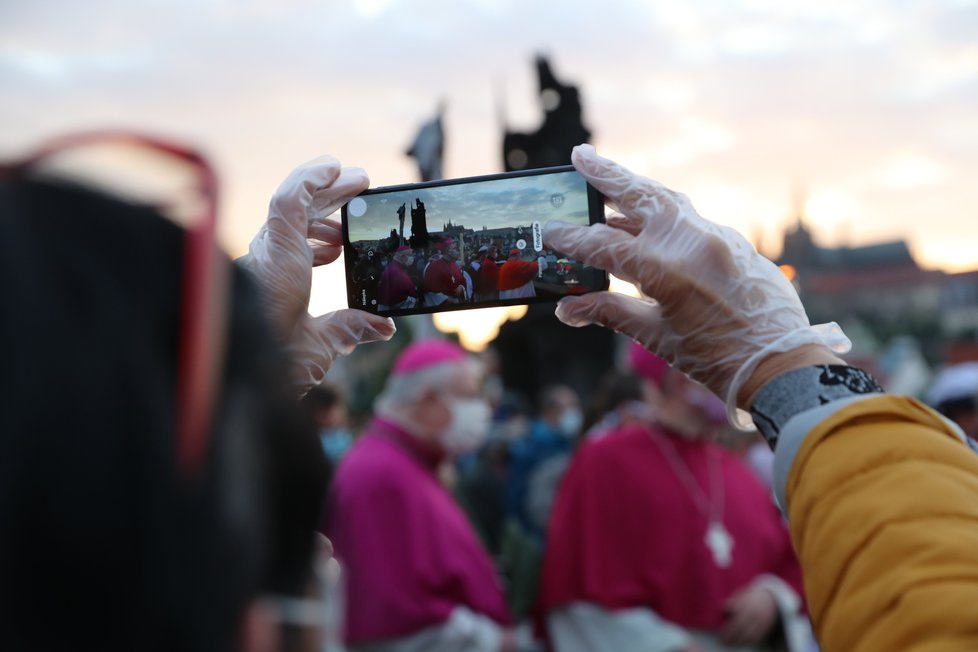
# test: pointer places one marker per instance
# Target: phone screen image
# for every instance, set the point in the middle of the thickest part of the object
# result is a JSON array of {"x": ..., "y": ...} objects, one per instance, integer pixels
[{"x": 466, "y": 243}]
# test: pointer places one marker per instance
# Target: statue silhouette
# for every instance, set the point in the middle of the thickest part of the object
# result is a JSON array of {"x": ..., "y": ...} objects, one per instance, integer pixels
[
  {"x": 561, "y": 130},
  {"x": 419, "y": 225},
  {"x": 400, "y": 221},
  {"x": 428, "y": 147}
]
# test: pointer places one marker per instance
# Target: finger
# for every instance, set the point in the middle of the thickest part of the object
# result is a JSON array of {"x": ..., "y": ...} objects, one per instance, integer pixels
[
  {"x": 320, "y": 172},
  {"x": 638, "y": 319},
  {"x": 287, "y": 214},
  {"x": 744, "y": 626},
  {"x": 598, "y": 245},
  {"x": 620, "y": 186},
  {"x": 630, "y": 225},
  {"x": 345, "y": 329},
  {"x": 324, "y": 254},
  {"x": 327, "y": 231},
  {"x": 347, "y": 185},
  {"x": 297, "y": 190},
  {"x": 735, "y": 630},
  {"x": 324, "y": 545}
]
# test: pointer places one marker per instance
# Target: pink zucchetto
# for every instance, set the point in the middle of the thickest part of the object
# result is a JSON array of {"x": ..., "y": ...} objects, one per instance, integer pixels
[
  {"x": 426, "y": 353},
  {"x": 647, "y": 365}
]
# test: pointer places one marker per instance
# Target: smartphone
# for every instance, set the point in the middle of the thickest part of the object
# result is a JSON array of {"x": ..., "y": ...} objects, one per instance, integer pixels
[{"x": 474, "y": 242}]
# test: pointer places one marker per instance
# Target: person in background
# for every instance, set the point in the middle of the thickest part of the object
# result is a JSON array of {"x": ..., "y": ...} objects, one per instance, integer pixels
[
  {"x": 954, "y": 393},
  {"x": 516, "y": 276},
  {"x": 550, "y": 437},
  {"x": 487, "y": 278},
  {"x": 417, "y": 577},
  {"x": 470, "y": 273},
  {"x": 327, "y": 404},
  {"x": 660, "y": 539},
  {"x": 881, "y": 492},
  {"x": 396, "y": 290},
  {"x": 618, "y": 399},
  {"x": 443, "y": 281}
]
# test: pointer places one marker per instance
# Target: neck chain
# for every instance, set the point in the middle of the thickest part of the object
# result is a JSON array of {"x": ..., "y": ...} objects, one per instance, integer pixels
[{"x": 717, "y": 538}]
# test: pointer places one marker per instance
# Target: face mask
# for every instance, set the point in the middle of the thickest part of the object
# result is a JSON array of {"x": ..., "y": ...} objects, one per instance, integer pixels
[
  {"x": 469, "y": 426},
  {"x": 570, "y": 422},
  {"x": 336, "y": 441}
]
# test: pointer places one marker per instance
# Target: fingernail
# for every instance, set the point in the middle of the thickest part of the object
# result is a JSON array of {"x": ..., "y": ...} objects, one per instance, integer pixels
[{"x": 566, "y": 308}]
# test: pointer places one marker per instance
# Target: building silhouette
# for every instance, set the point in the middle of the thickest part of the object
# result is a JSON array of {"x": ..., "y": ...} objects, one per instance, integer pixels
[{"x": 881, "y": 286}]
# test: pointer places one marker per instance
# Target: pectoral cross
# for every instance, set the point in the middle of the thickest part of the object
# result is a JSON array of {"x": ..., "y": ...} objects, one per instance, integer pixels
[{"x": 720, "y": 543}]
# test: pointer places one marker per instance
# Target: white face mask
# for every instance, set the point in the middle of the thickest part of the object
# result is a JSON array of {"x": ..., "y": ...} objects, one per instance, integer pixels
[{"x": 469, "y": 426}]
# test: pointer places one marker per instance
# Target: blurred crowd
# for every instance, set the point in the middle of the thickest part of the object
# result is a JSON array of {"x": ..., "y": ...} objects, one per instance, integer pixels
[
  {"x": 509, "y": 478},
  {"x": 491, "y": 269},
  {"x": 575, "y": 532}
]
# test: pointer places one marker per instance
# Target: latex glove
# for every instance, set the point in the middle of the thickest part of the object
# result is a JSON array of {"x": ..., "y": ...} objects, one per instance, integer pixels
[
  {"x": 281, "y": 258},
  {"x": 719, "y": 307}
]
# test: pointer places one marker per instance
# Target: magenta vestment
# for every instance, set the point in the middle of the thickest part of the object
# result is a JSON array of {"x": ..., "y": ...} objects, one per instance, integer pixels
[
  {"x": 409, "y": 554},
  {"x": 625, "y": 531},
  {"x": 395, "y": 285}
]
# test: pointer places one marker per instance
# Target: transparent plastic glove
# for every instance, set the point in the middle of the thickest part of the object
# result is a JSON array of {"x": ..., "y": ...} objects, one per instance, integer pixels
[
  {"x": 719, "y": 307},
  {"x": 295, "y": 238}
]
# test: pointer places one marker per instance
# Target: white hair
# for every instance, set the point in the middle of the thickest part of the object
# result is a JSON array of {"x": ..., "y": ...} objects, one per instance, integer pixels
[{"x": 404, "y": 389}]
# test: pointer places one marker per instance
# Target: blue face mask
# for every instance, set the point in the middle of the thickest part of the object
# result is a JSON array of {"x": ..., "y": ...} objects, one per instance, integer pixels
[
  {"x": 570, "y": 422},
  {"x": 336, "y": 441}
]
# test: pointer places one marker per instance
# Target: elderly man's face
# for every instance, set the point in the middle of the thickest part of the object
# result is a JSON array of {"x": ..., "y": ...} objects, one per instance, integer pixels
[{"x": 434, "y": 414}]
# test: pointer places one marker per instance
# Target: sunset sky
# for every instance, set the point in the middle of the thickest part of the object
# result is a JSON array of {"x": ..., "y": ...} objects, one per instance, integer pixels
[{"x": 864, "y": 112}]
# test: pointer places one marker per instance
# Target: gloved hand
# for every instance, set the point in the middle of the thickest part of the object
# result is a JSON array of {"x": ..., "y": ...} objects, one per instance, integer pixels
[
  {"x": 281, "y": 258},
  {"x": 718, "y": 309}
]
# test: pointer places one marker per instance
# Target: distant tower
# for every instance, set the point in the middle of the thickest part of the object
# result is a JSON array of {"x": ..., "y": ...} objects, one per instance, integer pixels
[{"x": 799, "y": 247}]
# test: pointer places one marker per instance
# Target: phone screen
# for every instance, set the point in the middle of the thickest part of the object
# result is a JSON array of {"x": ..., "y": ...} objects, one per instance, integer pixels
[{"x": 466, "y": 243}]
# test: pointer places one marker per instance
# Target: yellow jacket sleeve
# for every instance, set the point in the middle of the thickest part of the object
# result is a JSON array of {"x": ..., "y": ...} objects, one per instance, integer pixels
[{"x": 882, "y": 499}]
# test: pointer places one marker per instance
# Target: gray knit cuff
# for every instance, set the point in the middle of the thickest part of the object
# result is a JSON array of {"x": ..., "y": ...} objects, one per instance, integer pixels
[{"x": 803, "y": 389}]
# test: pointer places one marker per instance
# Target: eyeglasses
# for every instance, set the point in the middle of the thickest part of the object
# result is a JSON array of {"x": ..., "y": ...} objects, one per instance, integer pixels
[{"x": 181, "y": 185}]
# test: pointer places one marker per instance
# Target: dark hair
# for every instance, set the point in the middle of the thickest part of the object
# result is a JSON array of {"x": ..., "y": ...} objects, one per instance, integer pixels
[
  {"x": 957, "y": 408},
  {"x": 103, "y": 541},
  {"x": 614, "y": 389},
  {"x": 323, "y": 397},
  {"x": 551, "y": 395}
]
